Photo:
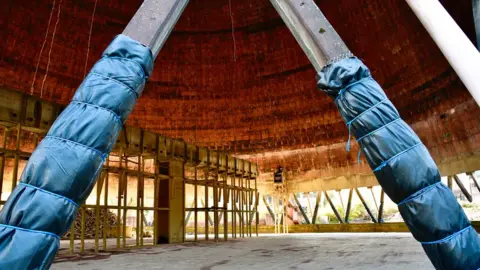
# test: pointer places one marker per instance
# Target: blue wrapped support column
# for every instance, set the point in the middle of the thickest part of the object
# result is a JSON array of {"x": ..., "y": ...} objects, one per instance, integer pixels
[
  {"x": 403, "y": 166},
  {"x": 62, "y": 170}
]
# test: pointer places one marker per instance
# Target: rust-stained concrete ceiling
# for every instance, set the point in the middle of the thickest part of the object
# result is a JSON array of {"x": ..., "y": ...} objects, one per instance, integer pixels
[{"x": 251, "y": 91}]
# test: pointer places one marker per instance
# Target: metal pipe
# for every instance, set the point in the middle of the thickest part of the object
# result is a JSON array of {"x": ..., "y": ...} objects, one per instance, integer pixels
[{"x": 452, "y": 41}]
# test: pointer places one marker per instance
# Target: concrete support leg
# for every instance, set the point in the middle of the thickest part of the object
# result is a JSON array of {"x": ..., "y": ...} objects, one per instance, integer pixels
[
  {"x": 380, "y": 210},
  {"x": 171, "y": 223},
  {"x": 349, "y": 206},
  {"x": 333, "y": 207},
  {"x": 314, "y": 217},
  {"x": 462, "y": 188},
  {"x": 301, "y": 209},
  {"x": 366, "y": 206},
  {"x": 474, "y": 180}
]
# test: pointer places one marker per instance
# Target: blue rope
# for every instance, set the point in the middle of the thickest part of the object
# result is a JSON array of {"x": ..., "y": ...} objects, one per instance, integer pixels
[
  {"x": 130, "y": 89},
  {"x": 383, "y": 164},
  {"x": 115, "y": 115},
  {"x": 418, "y": 193},
  {"x": 349, "y": 138},
  {"x": 374, "y": 131},
  {"x": 349, "y": 123},
  {"x": 29, "y": 230},
  {"x": 103, "y": 155},
  {"x": 49, "y": 193},
  {"x": 446, "y": 239},
  {"x": 342, "y": 91},
  {"x": 366, "y": 111}
]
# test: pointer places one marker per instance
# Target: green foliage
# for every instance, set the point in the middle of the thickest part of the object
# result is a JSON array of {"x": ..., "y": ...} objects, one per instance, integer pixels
[
  {"x": 359, "y": 212},
  {"x": 472, "y": 206},
  {"x": 332, "y": 218}
]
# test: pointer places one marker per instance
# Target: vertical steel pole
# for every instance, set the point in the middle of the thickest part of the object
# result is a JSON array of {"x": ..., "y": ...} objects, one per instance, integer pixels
[
  {"x": 225, "y": 206},
  {"x": 17, "y": 157},
  {"x": 2, "y": 159},
  {"x": 234, "y": 200},
  {"x": 317, "y": 202},
  {"x": 380, "y": 210},
  {"x": 125, "y": 204},
  {"x": 82, "y": 229},
  {"x": 195, "y": 201},
  {"x": 105, "y": 206},
  {"x": 349, "y": 206},
  {"x": 207, "y": 214},
  {"x": 119, "y": 195}
]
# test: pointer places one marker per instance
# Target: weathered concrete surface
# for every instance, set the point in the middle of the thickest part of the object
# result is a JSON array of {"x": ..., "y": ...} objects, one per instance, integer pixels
[{"x": 294, "y": 251}]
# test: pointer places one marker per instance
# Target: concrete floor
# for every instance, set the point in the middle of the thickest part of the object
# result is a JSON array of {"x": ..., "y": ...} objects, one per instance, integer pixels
[{"x": 293, "y": 251}]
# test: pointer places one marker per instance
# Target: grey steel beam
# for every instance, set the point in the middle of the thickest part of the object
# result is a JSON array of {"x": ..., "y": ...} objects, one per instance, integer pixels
[
  {"x": 312, "y": 31},
  {"x": 349, "y": 206},
  {"x": 462, "y": 188},
  {"x": 373, "y": 197},
  {"x": 301, "y": 209},
  {"x": 476, "y": 19},
  {"x": 341, "y": 200},
  {"x": 474, "y": 180},
  {"x": 210, "y": 221},
  {"x": 154, "y": 21},
  {"x": 269, "y": 209},
  {"x": 189, "y": 214},
  {"x": 366, "y": 206},
  {"x": 317, "y": 202},
  {"x": 333, "y": 207},
  {"x": 380, "y": 210}
]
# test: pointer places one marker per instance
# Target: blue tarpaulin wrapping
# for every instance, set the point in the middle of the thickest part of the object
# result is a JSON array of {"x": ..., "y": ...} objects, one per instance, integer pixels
[
  {"x": 403, "y": 166},
  {"x": 63, "y": 168}
]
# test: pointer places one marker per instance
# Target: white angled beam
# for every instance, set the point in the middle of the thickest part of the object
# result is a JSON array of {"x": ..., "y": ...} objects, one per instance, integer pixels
[{"x": 452, "y": 41}]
